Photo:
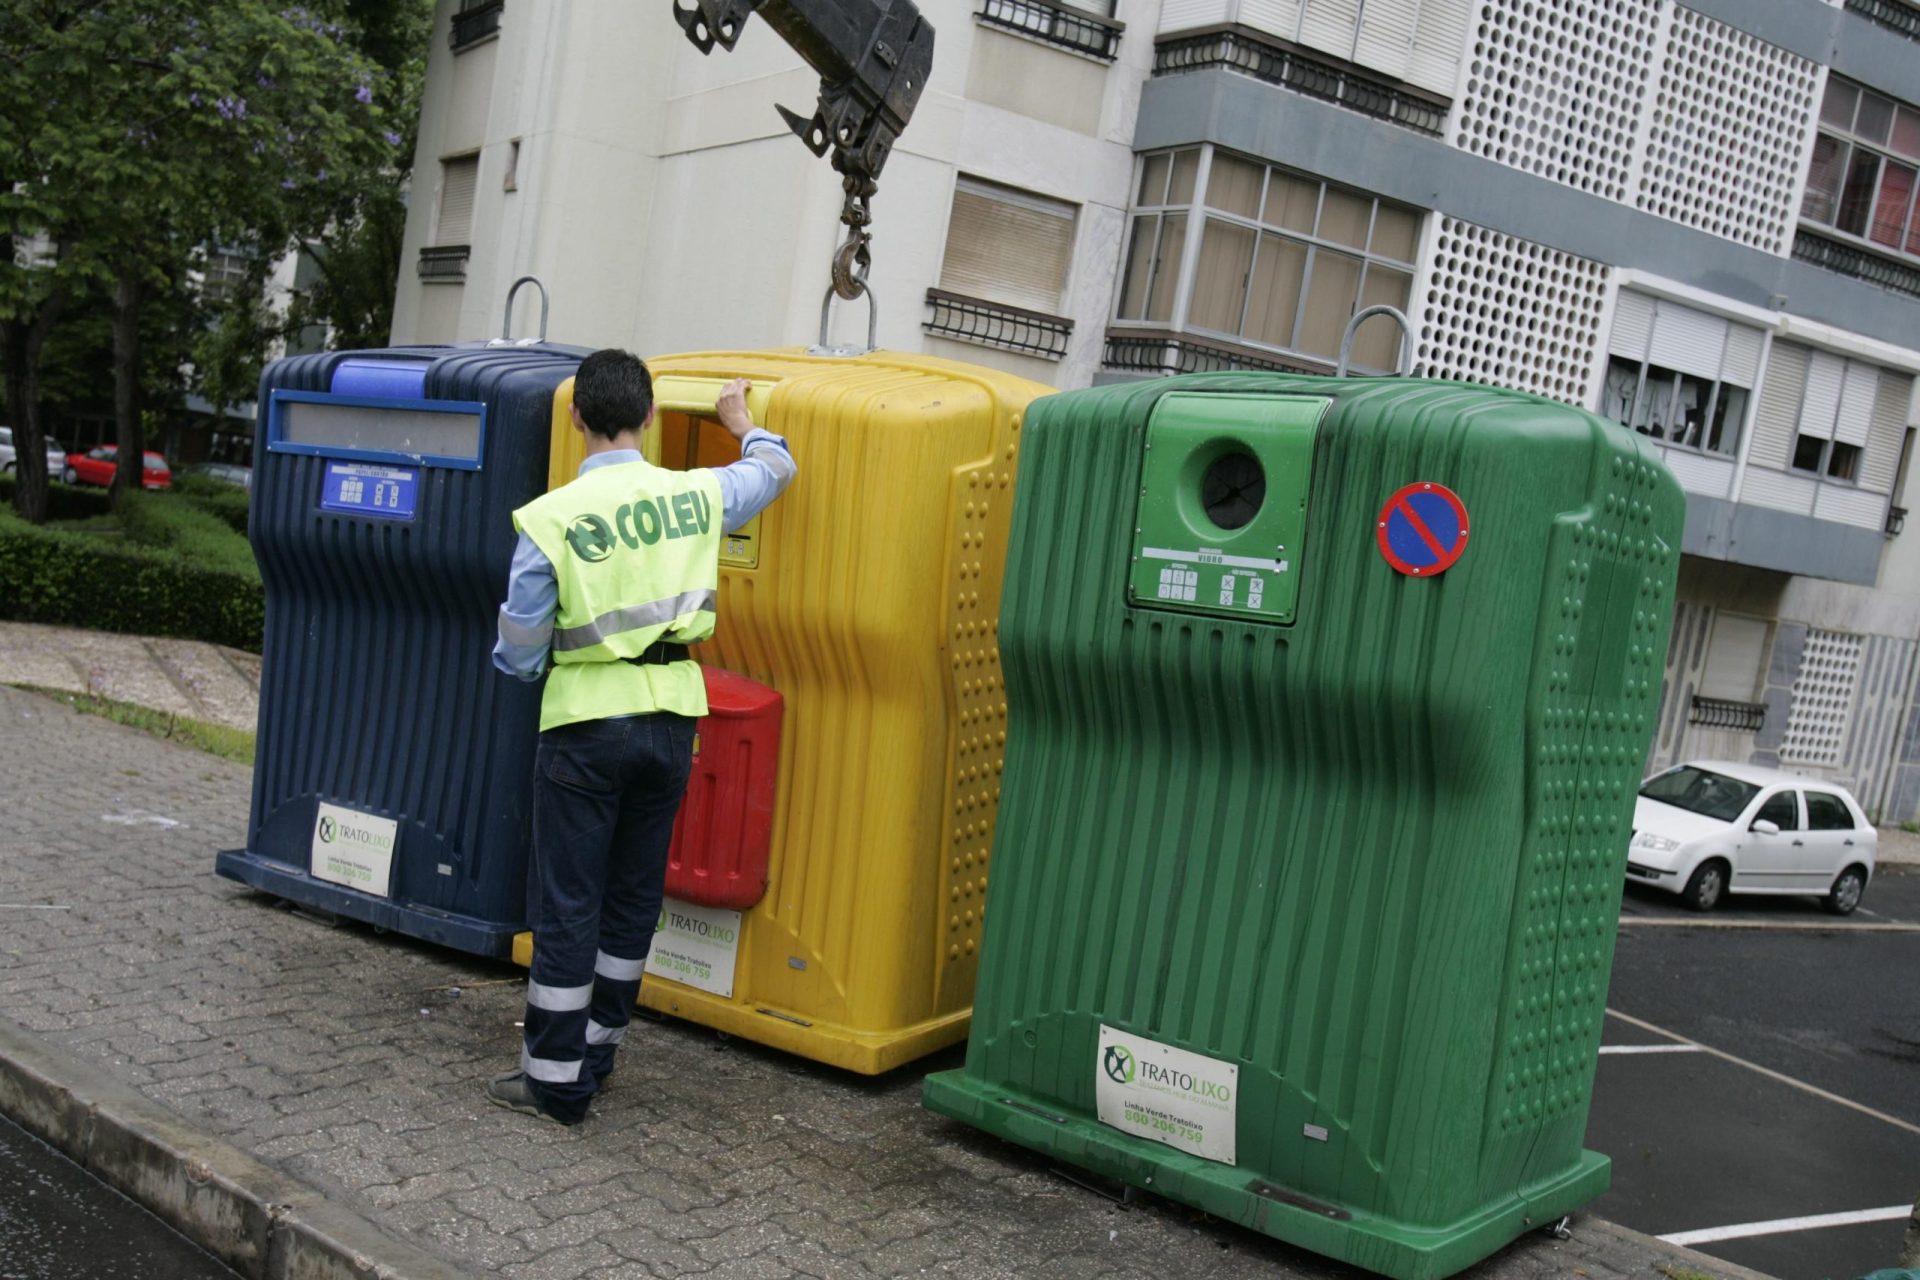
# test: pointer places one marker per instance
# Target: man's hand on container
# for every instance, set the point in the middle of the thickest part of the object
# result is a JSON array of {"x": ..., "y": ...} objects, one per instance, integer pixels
[{"x": 731, "y": 408}]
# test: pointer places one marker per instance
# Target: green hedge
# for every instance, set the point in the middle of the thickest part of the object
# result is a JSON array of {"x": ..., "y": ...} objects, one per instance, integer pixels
[
  {"x": 187, "y": 586},
  {"x": 63, "y": 503},
  {"x": 168, "y": 522},
  {"x": 216, "y": 497}
]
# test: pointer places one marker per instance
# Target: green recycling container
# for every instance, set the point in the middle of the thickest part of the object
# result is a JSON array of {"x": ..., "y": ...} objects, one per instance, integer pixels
[{"x": 1328, "y": 704}]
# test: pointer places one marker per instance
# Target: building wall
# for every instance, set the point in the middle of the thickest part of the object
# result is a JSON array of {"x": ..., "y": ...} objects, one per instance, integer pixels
[{"x": 663, "y": 202}]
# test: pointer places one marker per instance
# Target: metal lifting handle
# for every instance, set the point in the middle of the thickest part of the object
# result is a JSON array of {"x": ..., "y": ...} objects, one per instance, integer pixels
[
  {"x": 873, "y": 323},
  {"x": 506, "y": 322},
  {"x": 1360, "y": 318}
]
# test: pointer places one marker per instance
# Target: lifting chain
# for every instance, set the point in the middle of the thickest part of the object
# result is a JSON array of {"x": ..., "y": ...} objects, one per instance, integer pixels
[{"x": 854, "y": 257}]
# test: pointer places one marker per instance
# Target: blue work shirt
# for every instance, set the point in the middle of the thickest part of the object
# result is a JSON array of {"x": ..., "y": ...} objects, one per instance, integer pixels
[{"x": 764, "y": 471}]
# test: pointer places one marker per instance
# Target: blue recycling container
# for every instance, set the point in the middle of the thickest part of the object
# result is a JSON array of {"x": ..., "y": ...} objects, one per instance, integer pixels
[{"x": 391, "y": 760}]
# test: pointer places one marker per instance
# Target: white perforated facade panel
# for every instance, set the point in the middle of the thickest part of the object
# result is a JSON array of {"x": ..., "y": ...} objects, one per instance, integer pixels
[
  {"x": 1644, "y": 102},
  {"x": 1555, "y": 87},
  {"x": 1729, "y": 117},
  {"x": 1509, "y": 312},
  {"x": 1823, "y": 696}
]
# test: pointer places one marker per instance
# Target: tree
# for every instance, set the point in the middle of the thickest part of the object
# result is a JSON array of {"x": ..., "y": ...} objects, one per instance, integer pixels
[
  {"x": 138, "y": 131},
  {"x": 358, "y": 255}
]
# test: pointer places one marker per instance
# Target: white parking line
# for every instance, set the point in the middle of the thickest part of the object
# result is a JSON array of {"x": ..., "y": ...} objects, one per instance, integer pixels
[
  {"x": 1781, "y": 1226},
  {"x": 1650, "y": 1048},
  {"x": 1768, "y": 1072}
]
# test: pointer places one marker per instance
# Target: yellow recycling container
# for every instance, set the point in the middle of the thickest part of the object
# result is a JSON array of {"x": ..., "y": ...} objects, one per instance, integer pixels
[{"x": 868, "y": 597}]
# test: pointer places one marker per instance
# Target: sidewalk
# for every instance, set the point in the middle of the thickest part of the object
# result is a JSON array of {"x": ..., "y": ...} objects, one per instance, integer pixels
[
  {"x": 184, "y": 677},
  {"x": 352, "y": 1064}
]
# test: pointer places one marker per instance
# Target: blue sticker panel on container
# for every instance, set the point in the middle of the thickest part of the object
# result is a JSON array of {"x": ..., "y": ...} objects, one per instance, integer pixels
[{"x": 365, "y": 489}]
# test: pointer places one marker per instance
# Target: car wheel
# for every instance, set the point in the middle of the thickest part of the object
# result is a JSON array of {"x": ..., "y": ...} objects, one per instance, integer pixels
[
  {"x": 69, "y": 476},
  {"x": 1846, "y": 892},
  {"x": 1706, "y": 886}
]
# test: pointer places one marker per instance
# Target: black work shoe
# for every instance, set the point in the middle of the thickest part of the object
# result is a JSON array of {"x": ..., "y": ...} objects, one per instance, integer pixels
[{"x": 509, "y": 1089}]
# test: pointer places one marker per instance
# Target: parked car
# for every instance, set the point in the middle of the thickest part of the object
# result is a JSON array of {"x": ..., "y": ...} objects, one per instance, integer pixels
[
  {"x": 225, "y": 472},
  {"x": 95, "y": 466},
  {"x": 1707, "y": 829},
  {"x": 56, "y": 453}
]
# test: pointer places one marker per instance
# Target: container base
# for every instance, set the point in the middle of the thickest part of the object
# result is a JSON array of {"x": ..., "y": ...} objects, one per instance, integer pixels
[
  {"x": 463, "y": 933},
  {"x": 1240, "y": 1194},
  {"x": 868, "y": 1053}
]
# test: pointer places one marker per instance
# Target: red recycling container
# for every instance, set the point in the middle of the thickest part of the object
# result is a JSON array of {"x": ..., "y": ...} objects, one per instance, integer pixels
[{"x": 722, "y": 838}]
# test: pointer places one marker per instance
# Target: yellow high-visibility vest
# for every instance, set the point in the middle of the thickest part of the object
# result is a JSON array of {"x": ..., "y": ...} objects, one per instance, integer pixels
[{"x": 636, "y": 553}]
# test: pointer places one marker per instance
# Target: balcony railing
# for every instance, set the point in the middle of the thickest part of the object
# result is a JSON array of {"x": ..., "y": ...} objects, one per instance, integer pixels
[
  {"x": 1844, "y": 259},
  {"x": 475, "y": 21},
  {"x": 440, "y": 263},
  {"x": 1719, "y": 713},
  {"x": 1316, "y": 75},
  {"x": 989, "y": 324},
  {"x": 1156, "y": 352},
  {"x": 1903, "y": 18},
  {"x": 1061, "y": 24}
]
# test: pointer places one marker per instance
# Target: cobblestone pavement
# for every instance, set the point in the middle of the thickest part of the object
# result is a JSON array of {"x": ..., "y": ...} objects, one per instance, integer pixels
[
  {"x": 354, "y": 1063},
  {"x": 185, "y": 677}
]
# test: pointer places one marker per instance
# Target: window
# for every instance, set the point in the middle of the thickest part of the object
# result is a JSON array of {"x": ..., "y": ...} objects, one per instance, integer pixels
[
  {"x": 1284, "y": 261},
  {"x": 1679, "y": 408},
  {"x": 1008, "y": 246},
  {"x": 225, "y": 276},
  {"x": 1836, "y": 413},
  {"x": 1781, "y": 810},
  {"x": 1827, "y": 812},
  {"x": 1866, "y": 168},
  {"x": 1734, "y": 654},
  {"x": 474, "y": 22},
  {"x": 454, "y": 225}
]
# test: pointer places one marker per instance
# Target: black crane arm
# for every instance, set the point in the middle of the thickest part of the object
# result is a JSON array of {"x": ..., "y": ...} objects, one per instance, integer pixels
[{"x": 873, "y": 57}]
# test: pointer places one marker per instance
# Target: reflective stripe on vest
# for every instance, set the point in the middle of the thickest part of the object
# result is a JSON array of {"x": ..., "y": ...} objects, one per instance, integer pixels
[{"x": 651, "y": 614}]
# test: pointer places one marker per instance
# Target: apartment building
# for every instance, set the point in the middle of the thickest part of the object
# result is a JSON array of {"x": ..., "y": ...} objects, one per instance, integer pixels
[{"x": 1697, "y": 220}]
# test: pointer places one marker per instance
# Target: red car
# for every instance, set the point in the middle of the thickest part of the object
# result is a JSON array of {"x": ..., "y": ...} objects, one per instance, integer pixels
[{"x": 95, "y": 466}]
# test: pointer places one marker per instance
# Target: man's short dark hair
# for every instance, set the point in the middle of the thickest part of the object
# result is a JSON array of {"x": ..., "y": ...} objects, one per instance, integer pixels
[{"x": 613, "y": 392}]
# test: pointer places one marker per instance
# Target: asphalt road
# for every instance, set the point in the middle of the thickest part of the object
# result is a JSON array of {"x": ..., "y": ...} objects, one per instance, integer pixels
[
  {"x": 58, "y": 1223},
  {"x": 1700, "y": 1141}
]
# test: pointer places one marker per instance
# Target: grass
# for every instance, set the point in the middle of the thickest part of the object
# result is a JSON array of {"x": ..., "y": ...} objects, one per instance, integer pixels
[{"x": 215, "y": 739}]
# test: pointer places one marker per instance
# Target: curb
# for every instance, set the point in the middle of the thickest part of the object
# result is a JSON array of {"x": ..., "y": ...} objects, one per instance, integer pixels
[
  {"x": 1692, "y": 1259},
  {"x": 255, "y": 1219}
]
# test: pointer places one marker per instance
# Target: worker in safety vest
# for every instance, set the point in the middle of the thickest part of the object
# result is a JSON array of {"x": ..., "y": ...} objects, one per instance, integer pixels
[{"x": 614, "y": 577}]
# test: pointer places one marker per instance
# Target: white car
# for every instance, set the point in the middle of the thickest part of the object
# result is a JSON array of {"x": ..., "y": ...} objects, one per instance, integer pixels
[
  {"x": 56, "y": 454},
  {"x": 1708, "y": 828}
]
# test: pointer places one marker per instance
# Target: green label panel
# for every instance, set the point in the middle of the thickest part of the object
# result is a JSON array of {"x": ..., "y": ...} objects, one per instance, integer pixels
[{"x": 1223, "y": 504}]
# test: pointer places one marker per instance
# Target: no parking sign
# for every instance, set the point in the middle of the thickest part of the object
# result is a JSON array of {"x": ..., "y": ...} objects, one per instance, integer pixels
[{"x": 1422, "y": 530}]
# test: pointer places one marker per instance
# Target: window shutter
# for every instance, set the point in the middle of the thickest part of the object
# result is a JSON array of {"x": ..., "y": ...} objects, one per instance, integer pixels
[
  {"x": 1688, "y": 340},
  {"x": 1008, "y": 247},
  {"x": 1826, "y": 376},
  {"x": 1856, "y": 404},
  {"x": 1742, "y": 363},
  {"x": 1733, "y": 658},
  {"x": 1632, "y": 325},
  {"x": 457, "y": 179}
]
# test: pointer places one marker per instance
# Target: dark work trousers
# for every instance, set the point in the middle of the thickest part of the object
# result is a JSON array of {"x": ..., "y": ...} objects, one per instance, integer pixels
[{"x": 605, "y": 794}]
